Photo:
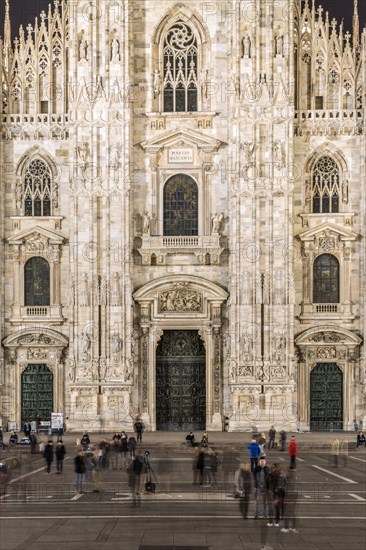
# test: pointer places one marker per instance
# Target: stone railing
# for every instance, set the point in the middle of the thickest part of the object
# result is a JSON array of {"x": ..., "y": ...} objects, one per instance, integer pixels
[
  {"x": 326, "y": 308},
  {"x": 329, "y": 121},
  {"x": 155, "y": 250}
]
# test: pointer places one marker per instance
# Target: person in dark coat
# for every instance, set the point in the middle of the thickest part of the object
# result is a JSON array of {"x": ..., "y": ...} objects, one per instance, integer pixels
[
  {"x": 139, "y": 428},
  {"x": 60, "y": 455},
  {"x": 200, "y": 464},
  {"x": 245, "y": 488},
  {"x": 283, "y": 440},
  {"x": 132, "y": 444},
  {"x": 79, "y": 463},
  {"x": 261, "y": 483},
  {"x": 33, "y": 442},
  {"x": 48, "y": 455},
  {"x": 135, "y": 472},
  {"x": 361, "y": 440},
  {"x": 277, "y": 487}
]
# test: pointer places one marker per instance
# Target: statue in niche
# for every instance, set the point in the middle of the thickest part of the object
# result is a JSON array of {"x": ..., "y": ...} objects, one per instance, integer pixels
[
  {"x": 216, "y": 223},
  {"x": 146, "y": 224},
  {"x": 85, "y": 347},
  {"x": 19, "y": 195},
  {"x": 115, "y": 50},
  {"x": 83, "y": 48},
  {"x": 129, "y": 371},
  {"x": 115, "y": 290},
  {"x": 279, "y": 153},
  {"x": 245, "y": 348},
  {"x": 84, "y": 292},
  {"x": 156, "y": 83},
  {"x": 116, "y": 343},
  {"x": 71, "y": 369},
  {"x": 345, "y": 191},
  {"x": 204, "y": 83},
  {"x": 246, "y": 43},
  {"x": 279, "y": 43}
]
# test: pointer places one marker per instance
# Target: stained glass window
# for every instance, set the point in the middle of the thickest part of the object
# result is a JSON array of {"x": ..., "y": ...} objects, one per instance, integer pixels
[
  {"x": 326, "y": 280},
  {"x": 37, "y": 282},
  {"x": 325, "y": 186},
  {"x": 180, "y": 206},
  {"x": 180, "y": 69},
  {"x": 37, "y": 189}
]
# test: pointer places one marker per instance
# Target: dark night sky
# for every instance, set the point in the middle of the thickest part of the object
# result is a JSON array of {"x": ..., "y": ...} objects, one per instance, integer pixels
[{"x": 24, "y": 11}]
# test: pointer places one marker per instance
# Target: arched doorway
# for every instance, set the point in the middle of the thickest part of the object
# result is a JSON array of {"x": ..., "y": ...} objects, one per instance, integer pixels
[
  {"x": 326, "y": 397},
  {"x": 37, "y": 393},
  {"x": 180, "y": 381}
]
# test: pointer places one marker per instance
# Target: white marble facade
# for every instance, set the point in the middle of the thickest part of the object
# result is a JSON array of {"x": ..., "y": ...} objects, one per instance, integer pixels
[{"x": 277, "y": 116}]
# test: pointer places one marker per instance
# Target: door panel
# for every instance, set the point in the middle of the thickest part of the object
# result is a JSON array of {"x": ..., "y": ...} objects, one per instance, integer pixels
[
  {"x": 326, "y": 397},
  {"x": 37, "y": 393}
]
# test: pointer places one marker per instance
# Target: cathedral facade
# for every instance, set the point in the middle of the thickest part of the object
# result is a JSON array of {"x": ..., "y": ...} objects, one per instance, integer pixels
[{"x": 183, "y": 216}]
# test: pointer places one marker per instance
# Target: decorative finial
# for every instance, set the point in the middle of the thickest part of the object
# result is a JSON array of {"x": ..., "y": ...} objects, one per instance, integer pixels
[
  {"x": 355, "y": 25},
  {"x": 7, "y": 35}
]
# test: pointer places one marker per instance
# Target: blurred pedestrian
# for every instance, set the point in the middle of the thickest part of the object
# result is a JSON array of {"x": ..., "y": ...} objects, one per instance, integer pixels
[
  {"x": 290, "y": 502},
  {"x": 261, "y": 484},
  {"x": 33, "y": 442},
  {"x": 60, "y": 453},
  {"x": 132, "y": 444},
  {"x": 277, "y": 486},
  {"x": 335, "y": 452},
  {"x": 283, "y": 436},
  {"x": 48, "y": 455},
  {"x": 292, "y": 451},
  {"x": 271, "y": 438},
  {"x": 135, "y": 472},
  {"x": 79, "y": 466},
  {"x": 360, "y": 440},
  {"x": 200, "y": 464},
  {"x": 343, "y": 451},
  {"x": 254, "y": 453},
  {"x": 85, "y": 441},
  {"x": 244, "y": 488},
  {"x": 204, "y": 440},
  {"x": 139, "y": 428}
]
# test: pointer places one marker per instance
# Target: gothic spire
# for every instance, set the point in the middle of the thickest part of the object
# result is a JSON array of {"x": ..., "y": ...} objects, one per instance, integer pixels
[
  {"x": 356, "y": 25},
  {"x": 7, "y": 35}
]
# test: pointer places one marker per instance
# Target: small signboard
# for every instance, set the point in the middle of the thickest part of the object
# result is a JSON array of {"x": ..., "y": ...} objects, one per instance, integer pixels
[
  {"x": 57, "y": 421},
  {"x": 180, "y": 155}
]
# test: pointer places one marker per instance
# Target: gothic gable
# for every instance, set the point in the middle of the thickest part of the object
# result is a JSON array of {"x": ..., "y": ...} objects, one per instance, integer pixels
[
  {"x": 327, "y": 232},
  {"x": 182, "y": 137}
]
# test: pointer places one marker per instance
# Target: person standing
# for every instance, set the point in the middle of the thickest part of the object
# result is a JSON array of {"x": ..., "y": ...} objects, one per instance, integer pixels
[
  {"x": 335, "y": 452},
  {"x": 254, "y": 454},
  {"x": 292, "y": 451},
  {"x": 283, "y": 440},
  {"x": 132, "y": 444},
  {"x": 244, "y": 488},
  {"x": 79, "y": 464},
  {"x": 139, "y": 428},
  {"x": 261, "y": 484},
  {"x": 48, "y": 455},
  {"x": 1, "y": 440},
  {"x": 135, "y": 473},
  {"x": 271, "y": 438},
  {"x": 33, "y": 442},
  {"x": 200, "y": 464},
  {"x": 60, "y": 455},
  {"x": 290, "y": 501},
  {"x": 277, "y": 485}
]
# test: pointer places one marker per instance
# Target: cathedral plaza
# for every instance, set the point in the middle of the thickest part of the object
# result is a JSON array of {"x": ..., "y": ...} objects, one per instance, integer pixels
[{"x": 182, "y": 217}]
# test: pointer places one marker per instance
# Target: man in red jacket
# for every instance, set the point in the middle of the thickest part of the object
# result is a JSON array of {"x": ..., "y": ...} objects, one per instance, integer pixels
[{"x": 292, "y": 451}]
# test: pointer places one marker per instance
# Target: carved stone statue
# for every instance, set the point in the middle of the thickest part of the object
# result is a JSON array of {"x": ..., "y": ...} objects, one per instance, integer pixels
[
  {"x": 116, "y": 343},
  {"x": 82, "y": 152},
  {"x": 71, "y": 369},
  {"x": 216, "y": 223},
  {"x": 84, "y": 291},
  {"x": 246, "y": 42},
  {"x": 345, "y": 191},
  {"x": 146, "y": 224},
  {"x": 85, "y": 347},
  {"x": 204, "y": 83},
  {"x": 279, "y": 153},
  {"x": 115, "y": 49},
  {"x": 19, "y": 195},
  {"x": 156, "y": 83},
  {"x": 279, "y": 43},
  {"x": 83, "y": 48},
  {"x": 115, "y": 290},
  {"x": 129, "y": 371}
]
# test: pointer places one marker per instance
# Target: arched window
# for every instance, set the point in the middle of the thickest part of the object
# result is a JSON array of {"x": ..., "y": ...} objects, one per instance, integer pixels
[
  {"x": 180, "y": 69},
  {"x": 37, "y": 282},
  {"x": 180, "y": 206},
  {"x": 325, "y": 186},
  {"x": 37, "y": 189},
  {"x": 326, "y": 280}
]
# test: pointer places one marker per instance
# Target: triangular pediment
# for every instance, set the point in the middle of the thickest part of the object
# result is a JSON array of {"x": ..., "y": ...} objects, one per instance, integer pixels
[
  {"x": 182, "y": 137},
  {"x": 37, "y": 235},
  {"x": 327, "y": 230}
]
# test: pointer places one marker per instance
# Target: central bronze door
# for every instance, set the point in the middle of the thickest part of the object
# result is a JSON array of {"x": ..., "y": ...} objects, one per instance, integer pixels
[
  {"x": 180, "y": 381},
  {"x": 326, "y": 397}
]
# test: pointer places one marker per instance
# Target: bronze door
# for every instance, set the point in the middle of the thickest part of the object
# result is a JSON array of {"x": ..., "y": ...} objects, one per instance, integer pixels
[
  {"x": 37, "y": 393},
  {"x": 180, "y": 381},
  {"x": 326, "y": 397}
]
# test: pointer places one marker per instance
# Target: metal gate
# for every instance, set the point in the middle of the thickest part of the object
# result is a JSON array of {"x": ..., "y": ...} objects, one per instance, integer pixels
[
  {"x": 180, "y": 381},
  {"x": 37, "y": 393},
  {"x": 326, "y": 397}
]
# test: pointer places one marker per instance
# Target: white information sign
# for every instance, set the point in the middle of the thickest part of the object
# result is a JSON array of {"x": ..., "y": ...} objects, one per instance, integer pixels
[
  {"x": 57, "y": 421},
  {"x": 180, "y": 155}
]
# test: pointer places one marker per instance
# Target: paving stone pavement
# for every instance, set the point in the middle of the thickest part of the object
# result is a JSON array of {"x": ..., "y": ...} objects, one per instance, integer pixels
[{"x": 40, "y": 511}]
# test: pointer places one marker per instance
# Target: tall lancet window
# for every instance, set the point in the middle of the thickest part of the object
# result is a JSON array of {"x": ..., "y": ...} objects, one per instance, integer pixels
[
  {"x": 37, "y": 189},
  {"x": 325, "y": 186},
  {"x": 180, "y": 69}
]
